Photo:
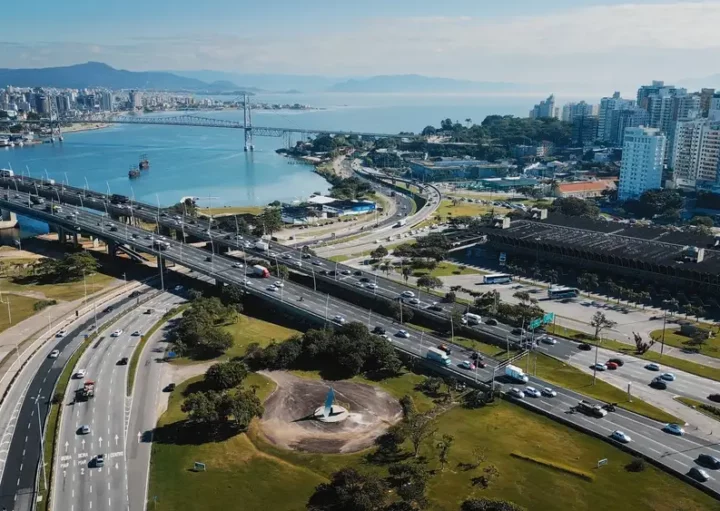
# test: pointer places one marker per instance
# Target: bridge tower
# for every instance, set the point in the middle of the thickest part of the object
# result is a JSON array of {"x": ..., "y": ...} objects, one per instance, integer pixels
[{"x": 247, "y": 123}]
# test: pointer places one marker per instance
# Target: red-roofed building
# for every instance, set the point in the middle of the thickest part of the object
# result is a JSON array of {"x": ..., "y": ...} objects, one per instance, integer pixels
[{"x": 585, "y": 189}]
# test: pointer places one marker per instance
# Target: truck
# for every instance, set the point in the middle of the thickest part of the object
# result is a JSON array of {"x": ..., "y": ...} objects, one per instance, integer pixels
[
  {"x": 472, "y": 319},
  {"x": 401, "y": 223},
  {"x": 86, "y": 391},
  {"x": 7, "y": 173},
  {"x": 260, "y": 271},
  {"x": 515, "y": 373},
  {"x": 262, "y": 245},
  {"x": 438, "y": 355},
  {"x": 118, "y": 199},
  {"x": 591, "y": 409},
  {"x": 36, "y": 199}
]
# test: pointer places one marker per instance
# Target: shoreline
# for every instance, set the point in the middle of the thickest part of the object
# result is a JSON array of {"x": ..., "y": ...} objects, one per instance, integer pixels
[{"x": 90, "y": 126}]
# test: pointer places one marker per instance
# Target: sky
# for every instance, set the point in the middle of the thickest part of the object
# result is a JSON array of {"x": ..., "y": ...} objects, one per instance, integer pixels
[{"x": 595, "y": 43}]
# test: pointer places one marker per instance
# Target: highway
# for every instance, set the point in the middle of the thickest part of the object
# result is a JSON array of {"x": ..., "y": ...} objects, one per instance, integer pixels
[
  {"x": 78, "y": 483},
  {"x": 29, "y": 400},
  {"x": 649, "y": 438}
]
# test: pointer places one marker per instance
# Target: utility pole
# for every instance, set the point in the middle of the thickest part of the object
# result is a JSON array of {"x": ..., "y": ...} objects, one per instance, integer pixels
[
  {"x": 597, "y": 348},
  {"x": 42, "y": 441}
]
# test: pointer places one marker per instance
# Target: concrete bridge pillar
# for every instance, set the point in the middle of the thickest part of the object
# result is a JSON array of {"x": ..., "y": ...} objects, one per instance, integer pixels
[
  {"x": 112, "y": 248},
  {"x": 8, "y": 220},
  {"x": 76, "y": 238},
  {"x": 165, "y": 231},
  {"x": 62, "y": 237}
]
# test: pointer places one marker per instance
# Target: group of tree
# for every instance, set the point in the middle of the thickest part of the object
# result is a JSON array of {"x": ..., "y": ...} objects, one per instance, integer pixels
[
  {"x": 186, "y": 208},
  {"x": 198, "y": 332},
  {"x": 268, "y": 222},
  {"x": 663, "y": 204},
  {"x": 521, "y": 313},
  {"x": 383, "y": 159},
  {"x": 70, "y": 268},
  {"x": 350, "y": 350},
  {"x": 433, "y": 246},
  {"x": 350, "y": 188},
  {"x": 223, "y": 402},
  {"x": 573, "y": 206}
]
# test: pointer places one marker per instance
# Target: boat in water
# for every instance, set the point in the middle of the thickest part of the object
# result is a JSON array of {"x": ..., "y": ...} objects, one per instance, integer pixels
[
  {"x": 144, "y": 162},
  {"x": 133, "y": 173}
]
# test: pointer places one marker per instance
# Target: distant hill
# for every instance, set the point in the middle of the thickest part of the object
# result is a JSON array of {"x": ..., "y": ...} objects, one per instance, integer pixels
[
  {"x": 266, "y": 82},
  {"x": 419, "y": 83},
  {"x": 97, "y": 74},
  {"x": 693, "y": 84}
]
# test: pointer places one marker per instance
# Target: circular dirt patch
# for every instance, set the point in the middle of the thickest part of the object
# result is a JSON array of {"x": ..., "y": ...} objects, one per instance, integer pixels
[{"x": 288, "y": 419}]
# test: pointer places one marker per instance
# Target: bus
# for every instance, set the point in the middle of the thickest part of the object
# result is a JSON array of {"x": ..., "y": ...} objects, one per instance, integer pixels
[
  {"x": 563, "y": 292},
  {"x": 498, "y": 278}
]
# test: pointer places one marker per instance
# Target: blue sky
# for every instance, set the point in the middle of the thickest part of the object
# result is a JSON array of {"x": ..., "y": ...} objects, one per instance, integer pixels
[{"x": 601, "y": 42}]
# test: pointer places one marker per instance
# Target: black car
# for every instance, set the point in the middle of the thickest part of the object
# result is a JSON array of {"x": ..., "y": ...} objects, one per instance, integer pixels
[
  {"x": 378, "y": 330},
  {"x": 491, "y": 322},
  {"x": 708, "y": 461},
  {"x": 476, "y": 356},
  {"x": 208, "y": 258},
  {"x": 107, "y": 309},
  {"x": 134, "y": 294},
  {"x": 584, "y": 347},
  {"x": 170, "y": 387},
  {"x": 306, "y": 256},
  {"x": 357, "y": 273},
  {"x": 323, "y": 272},
  {"x": 659, "y": 383},
  {"x": 123, "y": 361},
  {"x": 517, "y": 331},
  {"x": 364, "y": 279}
]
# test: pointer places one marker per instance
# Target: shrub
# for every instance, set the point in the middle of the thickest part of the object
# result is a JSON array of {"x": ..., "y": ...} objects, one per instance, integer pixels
[{"x": 636, "y": 465}]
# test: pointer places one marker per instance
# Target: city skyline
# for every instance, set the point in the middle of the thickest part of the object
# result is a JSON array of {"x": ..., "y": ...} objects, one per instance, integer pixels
[{"x": 611, "y": 44}]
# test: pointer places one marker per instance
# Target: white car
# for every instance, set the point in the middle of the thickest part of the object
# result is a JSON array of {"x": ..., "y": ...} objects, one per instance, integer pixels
[
  {"x": 668, "y": 376},
  {"x": 403, "y": 333},
  {"x": 237, "y": 265},
  {"x": 407, "y": 294},
  {"x": 546, "y": 339},
  {"x": 620, "y": 437},
  {"x": 272, "y": 289},
  {"x": 287, "y": 255},
  {"x": 371, "y": 285},
  {"x": 385, "y": 336},
  {"x": 61, "y": 333},
  {"x": 517, "y": 393},
  {"x": 117, "y": 333},
  {"x": 84, "y": 430},
  {"x": 548, "y": 392},
  {"x": 277, "y": 283},
  {"x": 54, "y": 354},
  {"x": 359, "y": 284},
  {"x": 80, "y": 373},
  {"x": 247, "y": 282},
  {"x": 532, "y": 392},
  {"x": 414, "y": 301},
  {"x": 339, "y": 319}
]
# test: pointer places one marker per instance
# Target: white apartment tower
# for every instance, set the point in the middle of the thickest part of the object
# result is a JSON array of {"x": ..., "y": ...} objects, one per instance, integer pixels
[
  {"x": 696, "y": 152},
  {"x": 642, "y": 162},
  {"x": 605, "y": 115}
]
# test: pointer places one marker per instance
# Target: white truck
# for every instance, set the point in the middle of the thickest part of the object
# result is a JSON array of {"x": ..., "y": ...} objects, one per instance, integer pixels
[
  {"x": 262, "y": 245},
  {"x": 515, "y": 373},
  {"x": 472, "y": 319},
  {"x": 401, "y": 223},
  {"x": 438, "y": 355},
  {"x": 260, "y": 271}
]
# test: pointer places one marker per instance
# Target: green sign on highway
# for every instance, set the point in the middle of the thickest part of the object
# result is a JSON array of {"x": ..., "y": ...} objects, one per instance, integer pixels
[
  {"x": 535, "y": 323},
  {"x": 549, "y": 317}
]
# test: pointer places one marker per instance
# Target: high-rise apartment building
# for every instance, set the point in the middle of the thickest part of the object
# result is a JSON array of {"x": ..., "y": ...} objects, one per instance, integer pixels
[
  {"x": 622, "y": 119},
  {"x": 544, "y": 108},
  {"x": 696, "y": 152},
  {"x": 572, "y": 110},
  {"x": 106, "y": 101},
  {"x": 606, "y": 120},
  {"x": 706, "y": 96},
  {"x": 135, "y": 100},
  {"x": 642, "y": 161}
]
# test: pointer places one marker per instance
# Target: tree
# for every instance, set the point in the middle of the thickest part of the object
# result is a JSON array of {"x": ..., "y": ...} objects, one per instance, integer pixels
[
  {"x": 281, "y": 271},
  {"x": 386, "y": 267},
  {"x": 379, "y": 252},
  {"x": 244, "y": 406},
  {"x": 410, "y": 479},
  {"x": 443, "y": 447},
  {"x": 406, "y": 272},
  {"x": 487, "y": 504},
  {"x": 705, "y": 221},
  {"x": 419, "y": 427},
  {"x": 672, "y": 305},
  {"x": 215, "y": 342},
  {"x": 270, "y": 221},
  {"x": 349, "y": 490},
  {"x": 201, "y": 407},
  {"x": 600, "y": 322},
  {"x": 225, "y": 375},
  {"x": 429, "y": 282},
  {"x": 573, "y": 206},
  {"x": 430, "y": 385},
  {"x": 401, "y": 313}
]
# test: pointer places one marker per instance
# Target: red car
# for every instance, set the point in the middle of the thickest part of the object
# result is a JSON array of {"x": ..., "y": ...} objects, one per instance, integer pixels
[
  {"x": 611, "y": 365},
  {"x": 480, "y": 364}
]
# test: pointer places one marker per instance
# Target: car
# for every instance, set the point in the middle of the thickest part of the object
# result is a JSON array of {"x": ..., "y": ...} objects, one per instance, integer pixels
[
  {"x": 148, "y": 311},
  {"x": 517, "y": 393},
  {"x": 272, "y": 289},
  {"x": 466, "y": 364},
  {"x": 99, "y": 460},
  {"x": 658, "y": 383},
  {"x": 708, "y": 461},
  {"x": 652, "y": 366},
  {"x": 617, "y": 361},
  {"x": 611, "y": 365},
  {"x": 136, "y": 333},
  {"x": 364, "y": 279},
  {"x": 345, "y": 272},
  {"x": 385, "y": 336},
  {"x": 532, "y": 392},
  {"x": 61, "y": 333},
  {"x": 378, "y": 330},
  {"x": 316, "y": 263},
  {"x": 116, "y": 333},
  {"x": 444, "y": 347},
  {"x": 491, "y": 322},
  {"x": 584, "y": 346},
  {"x": 306, "y": 256},
  {"x": 208, "y": 258},
  {"x": 371, "y": 285},
  {"x": 277, "y": 283},
  {"x": 668, "y": 376},
  {"x": 169, "y": 387},
  {"x": 517, "y": 331},
  {"x": 403, "y": 333},
  {"x": 546, "y": 339},
  {"x": 54, "y": 354},
  {"x": 123, "y": 361},
  {"x": 698, "y": 474},
  {"x": 548, "y": 392},
  {"x": 339, "y": 319},
  {"x": 135, "y": 294},
  {"x": 476, "y": 356},
  {"x": 237, "y": 265},
  {"x": 674, "y": 429},
  {"x": 357, "y": 273},
  {"x": 287, "y": 255},
  {"x": 435, "y": 306},
  {"x": 414, "y": 301},
  {"x": 598, "y": 367},
  {"x": 620, "y": 436},
  {"x": 80, "y": 373},
  {"x": 84, "y": 430},
  {"x": 107, "y": 309},
  {"x": 407, "y": 294},
  {"x": 357, "y": 283},
  {"x": 246, "y": 282}
]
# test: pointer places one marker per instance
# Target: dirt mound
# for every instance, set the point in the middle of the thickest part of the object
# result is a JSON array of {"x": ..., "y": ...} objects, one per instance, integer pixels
[{"x": 288, "y": 419}]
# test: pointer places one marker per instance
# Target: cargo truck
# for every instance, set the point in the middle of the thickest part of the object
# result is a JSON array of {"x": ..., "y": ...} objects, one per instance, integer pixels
[
  {"x": 86, "y": 392},
  {"x": 261, "y": 245},
  {"x": 515, "y": 373},
  {"x": 401, "y": 223},
  {"x": 438, "y": 355},
  {"x": 591, "y": 409},
  {"x": 260, "y": 271}
]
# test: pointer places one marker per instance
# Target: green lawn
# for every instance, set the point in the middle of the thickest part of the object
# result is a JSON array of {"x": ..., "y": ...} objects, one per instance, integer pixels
[
  {"x": 463, "y": 208},
  {"x": 248, "y": 330},
  {"x": 710, "y": 348},
  {"x": 246, "y": 469},
  {"x": 231, "y": 210},
  {"x": 567, "y": 376},
  {"x": 712, "y": 411},
  {"x": 339, "y": 258},
  {"x": 68, "y": 291},
  {"x": 445, "y": 269},
  {"x": 21, "y": 308}
]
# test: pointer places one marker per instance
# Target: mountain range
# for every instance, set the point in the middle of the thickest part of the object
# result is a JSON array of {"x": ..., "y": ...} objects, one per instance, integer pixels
[{"x": 419, "y": 84}]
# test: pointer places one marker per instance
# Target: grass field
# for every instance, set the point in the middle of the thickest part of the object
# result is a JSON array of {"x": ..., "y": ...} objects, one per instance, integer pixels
[
  {"x": 712, "y": 411},
  {"x": 462, "y": 208},
  {"x": 445, "y": 269},
  {"x": 21, "y": 308},
  {"x": 247, "y": 469},
  {"x": 710, "y": 348},
  {"x": 231, "y": 210},
  {"x": 62, "y": 292},
  {"x": 567, "y": 376}
]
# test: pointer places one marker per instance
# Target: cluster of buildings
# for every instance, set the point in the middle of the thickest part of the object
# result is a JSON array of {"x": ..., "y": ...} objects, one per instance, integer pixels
[{"x": 321, "y": 207}]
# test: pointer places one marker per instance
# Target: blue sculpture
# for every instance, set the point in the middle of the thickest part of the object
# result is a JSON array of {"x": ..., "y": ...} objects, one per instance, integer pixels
[{"x": 329, "y": 400}]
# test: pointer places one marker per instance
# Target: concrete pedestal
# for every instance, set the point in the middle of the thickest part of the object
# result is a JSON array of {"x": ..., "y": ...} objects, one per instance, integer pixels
[{"x": 337, "y": 414}]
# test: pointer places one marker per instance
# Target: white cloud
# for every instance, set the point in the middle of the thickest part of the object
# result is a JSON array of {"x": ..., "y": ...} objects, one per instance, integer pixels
[{"x": 609, "y": 45}]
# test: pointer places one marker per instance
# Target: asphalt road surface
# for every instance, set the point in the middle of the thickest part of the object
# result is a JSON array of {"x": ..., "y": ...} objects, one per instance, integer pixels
[{"x": 79, "y": 484}]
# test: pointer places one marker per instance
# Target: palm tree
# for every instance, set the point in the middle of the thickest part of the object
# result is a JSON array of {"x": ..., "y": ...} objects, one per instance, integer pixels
[
  {"x": 672, "y": 305},
  {"x": 406, "y": 272}
]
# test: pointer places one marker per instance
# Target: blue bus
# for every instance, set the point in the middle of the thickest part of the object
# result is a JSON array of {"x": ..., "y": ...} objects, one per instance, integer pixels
[
  {"x": 497, "y": 278},
  {"x": 556, "y": 292}
]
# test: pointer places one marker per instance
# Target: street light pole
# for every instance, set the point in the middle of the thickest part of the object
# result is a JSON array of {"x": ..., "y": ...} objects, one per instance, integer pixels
[
  {"x": 597, "y": 348},
  {"x": 42, "y": 441}
]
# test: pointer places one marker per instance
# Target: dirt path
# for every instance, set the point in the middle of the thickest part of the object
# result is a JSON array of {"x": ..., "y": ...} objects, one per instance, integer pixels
[{"x": 288, "y": 423}]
